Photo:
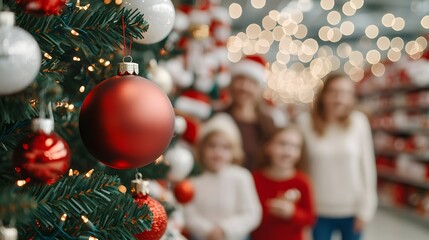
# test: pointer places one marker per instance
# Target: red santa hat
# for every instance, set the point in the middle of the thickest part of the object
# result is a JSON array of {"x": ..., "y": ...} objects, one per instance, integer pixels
[
  {"x": 252, "y": 66},
  {"x": 194, "y": 103}
]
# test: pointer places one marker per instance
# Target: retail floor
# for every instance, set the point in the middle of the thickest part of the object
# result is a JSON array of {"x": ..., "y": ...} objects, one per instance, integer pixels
[{"x": 389, "y": 225}]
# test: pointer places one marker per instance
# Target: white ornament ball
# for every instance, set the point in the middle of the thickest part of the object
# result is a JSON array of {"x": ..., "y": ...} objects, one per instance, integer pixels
[
  {"x": 181, "y": 163},
  {"x": 181, "y": 77},
  {"x": 185, "y": 79},
  {"x": 20, "y": 56},
  {"x": 159, "y": 14},
  {"x": 181, "y": 22},
  {"x": 223, "y": 79},
  {"x": 204, "y": 83},
  {"x": 161, "y": 77},
  {"x": 180, "y": 125}
]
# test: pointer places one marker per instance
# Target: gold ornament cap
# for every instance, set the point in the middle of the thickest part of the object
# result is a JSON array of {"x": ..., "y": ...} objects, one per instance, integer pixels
[
  {"x": 139, "y": 186},
  {"x": 128, "y": 68}
]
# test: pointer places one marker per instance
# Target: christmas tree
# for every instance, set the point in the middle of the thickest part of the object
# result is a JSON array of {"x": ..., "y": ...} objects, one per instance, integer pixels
[{"x": 80, "y": 45}]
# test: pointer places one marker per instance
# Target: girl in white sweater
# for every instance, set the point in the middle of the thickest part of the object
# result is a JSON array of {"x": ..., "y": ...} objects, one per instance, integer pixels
[
  {"x": 225, "y": 205},
  {"x": 340, "y": 161}
]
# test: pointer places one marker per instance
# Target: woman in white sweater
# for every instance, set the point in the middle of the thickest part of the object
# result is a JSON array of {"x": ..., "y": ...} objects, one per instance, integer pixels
[
  {"x": 341, "y": 161},
  {"x": 225, "y": 205}
]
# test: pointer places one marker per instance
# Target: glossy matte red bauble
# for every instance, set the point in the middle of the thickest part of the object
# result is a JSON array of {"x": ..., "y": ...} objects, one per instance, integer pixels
[
  {"x": 126, "y": 122},
  {"x": 184, "y": 191},
  {"x": 42, "y": 157}
]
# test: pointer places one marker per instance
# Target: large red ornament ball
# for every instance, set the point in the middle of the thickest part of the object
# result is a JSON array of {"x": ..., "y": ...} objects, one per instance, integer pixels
[
  {"x": 126, "y": 122},
  {"x": 184, "y": 191},
  {"x": 43, "y": 7},
  {"x": 42, "y": 157},
  {"x": 159, "y": 220}
]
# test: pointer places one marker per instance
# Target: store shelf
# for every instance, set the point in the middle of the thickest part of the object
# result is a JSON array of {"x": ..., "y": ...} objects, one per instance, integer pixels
[
  {"x": 391, "y": 176},
  {"x": 391, "y": 109},
  {"x": 405, "y": 213},
  {"x": 402, "y": 131},
  {"x": 421, "y": 157},
  {"x": 393, "y": 90}
]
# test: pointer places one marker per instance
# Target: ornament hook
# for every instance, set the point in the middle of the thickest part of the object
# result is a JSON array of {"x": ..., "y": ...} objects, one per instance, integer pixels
[
  {"x": 125, "y": 57},
  {"x": 128, "y": 68},
  {"x": 140, "y": 186},
  {"x": 139, "y": 176}
]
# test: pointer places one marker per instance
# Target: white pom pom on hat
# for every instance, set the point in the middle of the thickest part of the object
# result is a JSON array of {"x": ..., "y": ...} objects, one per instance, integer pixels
[{"x": 194, "y": 103}]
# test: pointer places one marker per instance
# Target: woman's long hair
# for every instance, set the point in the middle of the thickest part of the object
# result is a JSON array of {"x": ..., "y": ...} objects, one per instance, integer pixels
[{"x": 318, "y": 113}]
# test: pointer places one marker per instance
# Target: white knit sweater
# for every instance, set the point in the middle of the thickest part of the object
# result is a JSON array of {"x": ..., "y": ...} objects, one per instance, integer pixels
[
  {"x": 227, "y": 199},
  {"x": 342, "y": 167}
]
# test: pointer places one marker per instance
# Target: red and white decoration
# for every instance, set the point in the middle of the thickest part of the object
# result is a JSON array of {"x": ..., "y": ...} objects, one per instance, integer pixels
[
  {"x": 204, "y": 64},
  {"x": 252, "y": 66},
  {"x": 194, "y": 103}
]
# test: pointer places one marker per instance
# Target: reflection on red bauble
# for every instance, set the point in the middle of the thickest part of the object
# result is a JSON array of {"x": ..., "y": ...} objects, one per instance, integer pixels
[
  {"x": 184, "y": 191},
  {"x": 43, "y": 7},
  {"x": 42, "y": 157},
  {"x": 126, "y": 122},
  {"x": 159, "y": 219}
]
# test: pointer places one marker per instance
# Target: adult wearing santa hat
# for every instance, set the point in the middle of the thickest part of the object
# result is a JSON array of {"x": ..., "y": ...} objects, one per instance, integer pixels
[{"x": 248, "y": 108}]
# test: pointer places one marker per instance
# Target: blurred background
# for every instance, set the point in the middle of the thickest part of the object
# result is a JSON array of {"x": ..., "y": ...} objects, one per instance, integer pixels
[{"x": 381, "y": 45}]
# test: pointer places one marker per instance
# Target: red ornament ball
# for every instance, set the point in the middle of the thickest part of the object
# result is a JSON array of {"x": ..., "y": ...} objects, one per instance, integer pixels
[
  {"x": 42, "y": 157},
  {"x": 43, "y": 7},
  {"x": 126, "y": 122},
  {"x": 159, "y": 219},
  {"x": 184, "y": 191}
]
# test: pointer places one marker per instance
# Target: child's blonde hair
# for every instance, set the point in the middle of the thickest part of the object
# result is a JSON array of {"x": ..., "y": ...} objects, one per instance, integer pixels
[{"x": 221, "y": 123}]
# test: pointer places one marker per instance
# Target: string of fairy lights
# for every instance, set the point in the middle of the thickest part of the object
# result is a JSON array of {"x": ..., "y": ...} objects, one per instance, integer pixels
[
  {"x": 91, "y": 68},
  {"x": 63, "y": 218},
  {"x": 301, "y": 61}
]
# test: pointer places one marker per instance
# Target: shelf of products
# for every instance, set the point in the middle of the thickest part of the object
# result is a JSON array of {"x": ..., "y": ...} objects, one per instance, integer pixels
[
  {"x": 395, "y": 177},
  {"x": 398, "y": 107},
  {"x": 408, "y": 201},
  {"x": 410, "y": 102},
  {"x": 421, "y": 157}
]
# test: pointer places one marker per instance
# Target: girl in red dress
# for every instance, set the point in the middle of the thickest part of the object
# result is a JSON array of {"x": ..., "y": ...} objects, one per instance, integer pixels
[{"x": 284, "y": 192}]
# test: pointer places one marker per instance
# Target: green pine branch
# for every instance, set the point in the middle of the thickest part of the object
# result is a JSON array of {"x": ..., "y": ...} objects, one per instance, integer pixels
[
  {"x": 15, "y": 206},
  {"x": 38, "y": 209},
  {"x": 122, "y": 220}
]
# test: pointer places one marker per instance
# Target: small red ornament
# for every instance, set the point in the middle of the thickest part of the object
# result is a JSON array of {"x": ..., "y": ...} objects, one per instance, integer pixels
[
  {"x": 126, "y": 121},
  {"x": 140, "y": 191},
  {"x": 43, "y": 156},
  {"x": 43, "y": 7},
  {"x": 184, "y": 191}
]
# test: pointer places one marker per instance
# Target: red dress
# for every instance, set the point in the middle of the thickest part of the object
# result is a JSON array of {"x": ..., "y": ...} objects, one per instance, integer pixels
[{"x": 273, "y": 227}]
